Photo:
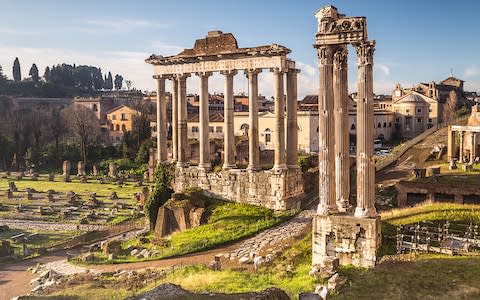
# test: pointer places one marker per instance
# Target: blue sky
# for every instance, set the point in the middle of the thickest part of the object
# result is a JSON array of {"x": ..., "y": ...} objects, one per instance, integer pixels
[{"x": 416, "y": 40}]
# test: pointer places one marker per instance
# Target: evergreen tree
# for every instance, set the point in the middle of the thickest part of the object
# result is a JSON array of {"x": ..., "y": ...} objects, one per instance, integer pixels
[
  {"x": 3, "y": 78},
  {"x": 110, "y": 81},
  {"x": 47, "y": 75},
  {"x": 34, "y": 73},
  {"x": 118, "y": 82},
  {"x": 17, "y": 74}
]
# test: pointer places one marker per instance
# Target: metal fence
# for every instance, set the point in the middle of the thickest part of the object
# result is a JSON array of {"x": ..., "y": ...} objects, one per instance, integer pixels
[{"x": 444, "y": 238}]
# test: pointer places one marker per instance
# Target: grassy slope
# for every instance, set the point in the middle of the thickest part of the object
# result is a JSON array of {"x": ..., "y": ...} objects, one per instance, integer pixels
[{"x": 229, "y": 222}]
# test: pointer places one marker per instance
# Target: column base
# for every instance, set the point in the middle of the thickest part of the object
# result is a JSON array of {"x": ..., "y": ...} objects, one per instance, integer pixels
[
  {"x": 325, "y": 210},
  {"x": 253, "y": 169},
  {"x": 352, "y": 240},
  {"x": 204, "y": 167},
  {"x": 279, "y": 168},
  {"x": 229, "y": 166},
  {"x": 365, "y": 212}
]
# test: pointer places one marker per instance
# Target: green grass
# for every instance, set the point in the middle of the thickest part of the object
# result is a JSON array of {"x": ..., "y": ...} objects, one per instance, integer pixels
[
  {"x": 44, "y": 238},
  {"x": 228, "y": 222}
]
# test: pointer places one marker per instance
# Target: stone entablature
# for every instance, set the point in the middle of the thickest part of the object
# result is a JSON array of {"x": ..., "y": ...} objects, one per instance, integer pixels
[{"x": 274, "y": 190}]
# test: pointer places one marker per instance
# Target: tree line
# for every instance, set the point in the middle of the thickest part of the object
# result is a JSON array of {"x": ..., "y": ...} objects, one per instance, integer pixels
[{"x": 58, "y": 80}]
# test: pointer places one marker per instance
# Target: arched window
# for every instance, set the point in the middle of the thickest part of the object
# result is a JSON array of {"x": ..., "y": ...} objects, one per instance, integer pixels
[
  {"x": 389, "y": 124},
  {"x": 117, "y": 128},
  {"x": 124, "y": 128},
  {"x": 379, "y": 125},
  {"x": 384, "y": 124},
  {"x": 268, "y": 136},
  {"x": 112, "y": 127},
  {"x": 352, "y": 127},
  {"x": 94, "y": 107}
]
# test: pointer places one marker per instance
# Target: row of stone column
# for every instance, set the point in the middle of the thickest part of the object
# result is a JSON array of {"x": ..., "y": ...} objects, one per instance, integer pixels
[
  {"x": 334, "y": 134},
  {"x": 451, "y": 145},
  {"x": 179, "y": 119}
]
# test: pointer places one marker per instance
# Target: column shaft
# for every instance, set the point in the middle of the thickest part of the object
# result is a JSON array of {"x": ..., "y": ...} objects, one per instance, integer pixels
[
  {"x": 182, "y": 142},
  {"x": 174, "y": 118},
  {"x": 229, "y": 134},
  {"x": 279, "y": 134},
  {"x": 161, "y": 122},
  {"x": 292, "y": 126},
  {"x": 460, "y": 151},
  {"x": 472, "y": 141},
  {"x": 253, "y": 150},
  {"x": 342, "y": 159},
  {"x": 325, "y": 132},
  {"x": 450, "y": 144},
  {"x": 365, "y": 121},
  {"x": 204, "y": 162}
]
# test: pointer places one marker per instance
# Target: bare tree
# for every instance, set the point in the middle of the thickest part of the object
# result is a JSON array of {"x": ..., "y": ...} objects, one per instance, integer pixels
[
  {"x": 450, "y": 107},
  {"x": 57, "y": 126},
  {"x": 84, "y": 125}
]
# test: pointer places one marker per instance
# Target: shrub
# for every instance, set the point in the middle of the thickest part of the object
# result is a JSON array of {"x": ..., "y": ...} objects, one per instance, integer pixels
[{"x": 161, "y": 193}]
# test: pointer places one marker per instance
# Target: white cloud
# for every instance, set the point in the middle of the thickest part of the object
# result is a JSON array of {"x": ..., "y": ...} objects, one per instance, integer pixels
[
  {"x": 121, "y": 25},
  {"x": 472, "y": 71},
  {"x": 382, "y": 68}
]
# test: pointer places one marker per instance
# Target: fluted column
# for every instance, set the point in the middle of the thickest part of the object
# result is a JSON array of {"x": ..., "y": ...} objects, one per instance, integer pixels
[
  {"x": 161, "y": 121},
  {"x": 365, "y": 121},
  {"x": 460, "y": 151},
  {"x": 292, "y": 126},
  {"x": 174, "y": 118},
  {"x": 279, "y": 134},
  {"x": 253, "y": 150},
  {"x": 204, "y": 162},
  {"x": 229, "y": 134},
  {"x": 340, "y": 96},
  {"x": 326, "y": 140},
  {"x": 474, "y": 149},
  {"x": 472, "y": 143},
  {"x": 182, "y": 142}
]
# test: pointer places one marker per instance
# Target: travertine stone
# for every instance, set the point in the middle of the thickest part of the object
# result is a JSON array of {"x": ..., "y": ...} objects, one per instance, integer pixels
[
  {"x": 326, "y": 142},
  {"x": 279, "y": 134},
  {"x": 66, "y": 171},
  {"x": 450, "y": 144},
  {"x": 174, "y": 118},
  {"x": 229, "y": 134},
  {"x": 161, "y": 121},
  {"x": 112, "y": 170},
  {"x": 365, "y": 159},
  {"x": 292, "y": 126},
  {"x": 460, "y": 151},
  {"x": 81, "y": 168},
  {"x": 204, "y": 122},
  {"x": 182, "y": 119},
  {"x": 253, "y": 150},
  {"x": 340, "y": 95}
]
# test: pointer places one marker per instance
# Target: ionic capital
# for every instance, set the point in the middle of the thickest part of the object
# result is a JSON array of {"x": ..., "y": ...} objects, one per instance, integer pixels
[
  {"x": 252, "y": 72},
  {"x": 203, "y": 74},
  {"x": 277, "y": 71},
  {"x": 340, "y": 58},
  {"x": 229, "y": 73},
  {"x": 365, "y": 52},
  {"x": 183, "y": 76}
]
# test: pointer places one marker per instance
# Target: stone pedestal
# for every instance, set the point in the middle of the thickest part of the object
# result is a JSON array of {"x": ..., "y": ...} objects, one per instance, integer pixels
[{"x": 353, "y": 240}]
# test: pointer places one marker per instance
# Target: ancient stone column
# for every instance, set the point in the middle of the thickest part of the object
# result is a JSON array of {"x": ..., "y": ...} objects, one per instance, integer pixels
[
  {"x": 66, "y": 171},
  {"x": 340, "y": 105},
  {"x": 182, "y": 141},
  {"x": 204, "y": 162},
  {"x": 81, "y": 168},
  {"x": 365, "y": 121},
  {"x": 175, "y": 118},
  {"x": 460, "y": 151},
  {"x": 472, "y": 146},
  {"x": 450, "y": 144},
  {"x": 279, "y": 133},
  {"x": 253, "y": 150},
  {"x": 229, "y": 134},
  {"x": 326, "y": 142},
  {"x": 161, "y": 121},
  {"x": 292, "y": 126}
]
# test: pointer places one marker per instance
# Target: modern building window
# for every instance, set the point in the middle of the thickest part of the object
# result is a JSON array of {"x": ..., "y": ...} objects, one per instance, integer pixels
[
  {"x": 114, "y": 117},
  {"x": 397, "y": 120},
  {"x": 419, "y": 120},
  {"x": 123, "y": 117},
  {"x": 430, "y": 120},
  {"x": 407, "y": 110},
  {"x": 210, "y": 129},
  {"x": 117, "y": 127},
  {"x": 219, "y": 129},
  {"x": 419, "y": 110},
  {"x": 194, "y": 128}
]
